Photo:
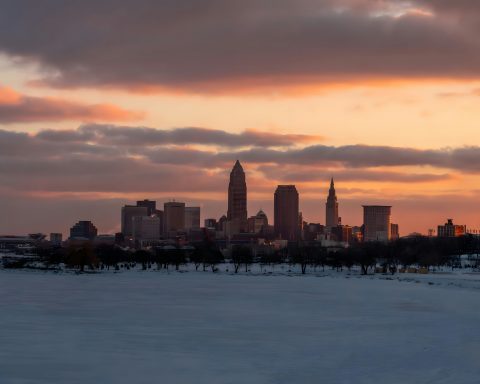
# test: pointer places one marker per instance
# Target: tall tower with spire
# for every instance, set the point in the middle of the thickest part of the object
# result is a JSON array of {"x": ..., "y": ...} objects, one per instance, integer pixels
[
  {"x": 331, "y": 207},
  {"x": 237, "y": 200}
]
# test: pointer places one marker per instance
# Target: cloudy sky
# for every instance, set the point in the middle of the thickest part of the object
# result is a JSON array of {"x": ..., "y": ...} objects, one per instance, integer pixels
[{"x": 103, "y": 102}]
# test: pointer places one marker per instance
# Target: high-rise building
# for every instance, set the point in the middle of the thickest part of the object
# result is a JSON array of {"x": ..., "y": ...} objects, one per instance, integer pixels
[
  {"x": 192, "y": 218},
  {"x": 159, "y": 214},
  {"x": 451, "y": 230},
  {"x": 146, "y": 227},
  {"x": 286, "y": 212},
  {"x": 237, "y": 200},
  {"x": 377, "y": 223},
  {"x": 128, "y": 213},
  {"x": 331, "y": 207},
  {"x": 151, "y": 206},
  {"x": 173, "y": 217},
  {"x": 83, "y": 230}
]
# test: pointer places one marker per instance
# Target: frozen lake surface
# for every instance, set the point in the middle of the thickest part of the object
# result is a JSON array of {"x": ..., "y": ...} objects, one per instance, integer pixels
[{"x": 153, "y": 327}]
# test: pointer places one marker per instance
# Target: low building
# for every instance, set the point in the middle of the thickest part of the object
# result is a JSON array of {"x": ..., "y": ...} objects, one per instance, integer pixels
[
  {"x": 312, "y": 231},
  {"x": 257, "y": 223},
  {"x": 395, "y": 234},
  {"x": 210, "y": 223},
  {"x": 342, "y": 233},
  {"x": 106, "y": 239},
  {"x": 56, "y": 239},
  {"x": 83, "y": 230},
  {"x": 451, "y": 230},
  {"x": 221, "y": 227}
]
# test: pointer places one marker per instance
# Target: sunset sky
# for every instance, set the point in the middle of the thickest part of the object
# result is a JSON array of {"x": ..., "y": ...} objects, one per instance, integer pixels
[{"x": 108, "y": 101}]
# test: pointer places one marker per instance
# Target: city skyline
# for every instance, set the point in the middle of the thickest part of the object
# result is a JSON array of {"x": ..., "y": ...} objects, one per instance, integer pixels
[
  {"x": 83, "y": 130},
  {"x": 237, "y": 187},
  {"x": 178, "y": 219},
  {"x": 143, "y": 225},
  {"x": 236, "y": 196}
]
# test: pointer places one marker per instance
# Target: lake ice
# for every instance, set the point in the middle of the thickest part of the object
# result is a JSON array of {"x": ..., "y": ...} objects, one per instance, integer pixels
[{"x": 200, "y": 327}]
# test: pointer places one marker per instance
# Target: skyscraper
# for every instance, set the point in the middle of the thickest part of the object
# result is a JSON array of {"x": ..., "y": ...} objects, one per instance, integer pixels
[
  {"x": 237, "y": 200},
  {"x": 128, "y": 213},
  {"x": 286, "y": 212},
  {"x": 331, "y": 207},
  {"x": 173, "y": 217},
  {"x": 192, "y": 218},
  {"x": 377, "y": 223},
  {"x": 146, "y": 227},
  {"x": 151, "y": 206}
]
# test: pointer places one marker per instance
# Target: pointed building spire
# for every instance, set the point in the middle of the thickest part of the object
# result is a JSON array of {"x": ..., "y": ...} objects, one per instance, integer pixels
[
  {"x": 237, "y": 164},
  {"x": 331, "y": 206}
]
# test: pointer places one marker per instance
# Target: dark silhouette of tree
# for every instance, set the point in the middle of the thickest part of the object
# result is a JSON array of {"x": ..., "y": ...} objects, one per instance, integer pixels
[
  {"x": 82, "y": 256},
  {"x": 176, "y": 257},
  {"x": 213, "y": 257},
  {"x": 52, "y": 256},
  {"x": 110, "y": 255},
  {"x": 273, "y": 258},
  {"x": 206, "y": 253},
  {"x": 346, "y": 258},
  {"x": 144, "y": 257},
  {"x": 241, "y": 254},
  {"x": 161, "y": 258},
  {"x": 335, "y": 260},
  {"x": 321, "y": 258},
  {"x": 197, "y": 256},
  {"x": 365, "y": 256},
  {"x": 303, "y": 255}
]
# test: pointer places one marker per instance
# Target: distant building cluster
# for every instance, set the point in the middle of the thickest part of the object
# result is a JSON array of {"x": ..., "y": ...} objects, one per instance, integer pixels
[
  {"x": 451, "y": 230},
  {"x": 144, "y": 225}
]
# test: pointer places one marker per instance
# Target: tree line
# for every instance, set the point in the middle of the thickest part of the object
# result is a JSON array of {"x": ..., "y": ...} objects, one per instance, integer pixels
[{"x": 424, "y": 252}]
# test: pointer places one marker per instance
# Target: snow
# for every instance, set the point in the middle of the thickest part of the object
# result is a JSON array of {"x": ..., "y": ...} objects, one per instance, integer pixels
[{"x": 200, "y": 327}]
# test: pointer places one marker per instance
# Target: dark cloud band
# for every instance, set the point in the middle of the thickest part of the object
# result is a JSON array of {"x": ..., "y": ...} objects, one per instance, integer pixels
[
  {"x": 93, "y": 158},
  {"x": 197, "y": 44}
]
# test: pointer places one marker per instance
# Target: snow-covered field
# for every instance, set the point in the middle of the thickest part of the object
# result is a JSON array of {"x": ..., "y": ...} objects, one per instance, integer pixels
[{"x": 199, "y": 327}]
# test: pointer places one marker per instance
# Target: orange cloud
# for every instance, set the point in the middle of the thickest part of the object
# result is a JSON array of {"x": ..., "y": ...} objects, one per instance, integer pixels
[
  {"x": 281, "y": 86},
  {"x": 8, "y": 96},
  {"x": 15, "y": 107}
]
